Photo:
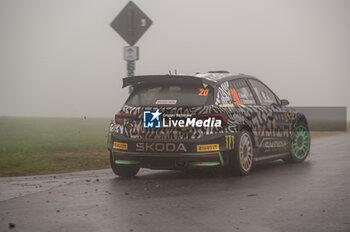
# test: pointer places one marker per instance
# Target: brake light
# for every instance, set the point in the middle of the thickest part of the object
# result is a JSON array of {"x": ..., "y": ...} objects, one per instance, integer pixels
[
  {"x": 119, "y": 118},
  {"x": 223, "y": 117}
]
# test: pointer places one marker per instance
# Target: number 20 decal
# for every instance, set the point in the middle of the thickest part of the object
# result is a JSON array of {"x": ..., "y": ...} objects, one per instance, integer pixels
[{"x": 203, "y": 92}]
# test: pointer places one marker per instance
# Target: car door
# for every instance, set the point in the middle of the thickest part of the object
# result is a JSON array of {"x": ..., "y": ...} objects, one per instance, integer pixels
[
  {"x": 233, "y": 98},
  {"x": 274, "y": 137},
  {"x": 247, "y": 112}
]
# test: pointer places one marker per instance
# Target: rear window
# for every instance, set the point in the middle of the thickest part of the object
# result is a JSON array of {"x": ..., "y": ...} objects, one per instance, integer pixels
[{"x": 172, "y": 94}]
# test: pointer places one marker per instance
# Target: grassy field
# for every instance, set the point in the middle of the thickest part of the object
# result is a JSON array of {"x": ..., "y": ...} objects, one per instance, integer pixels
[{"x": 31, "y": 146}]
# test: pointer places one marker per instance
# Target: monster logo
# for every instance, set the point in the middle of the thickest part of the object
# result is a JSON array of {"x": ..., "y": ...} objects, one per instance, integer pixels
[{"x": 230, "y": 142}]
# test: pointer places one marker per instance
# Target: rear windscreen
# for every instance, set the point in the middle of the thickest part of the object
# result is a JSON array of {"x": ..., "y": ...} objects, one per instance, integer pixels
[{"x": 172, "y": 94}]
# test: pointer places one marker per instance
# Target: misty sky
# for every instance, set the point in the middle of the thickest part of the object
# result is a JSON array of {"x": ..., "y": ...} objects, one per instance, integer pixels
[{"x": 61, "y": 57}]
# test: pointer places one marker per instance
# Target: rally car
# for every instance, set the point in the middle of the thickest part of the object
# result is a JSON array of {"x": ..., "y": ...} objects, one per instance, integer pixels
[{"x": 204, "y": 120}]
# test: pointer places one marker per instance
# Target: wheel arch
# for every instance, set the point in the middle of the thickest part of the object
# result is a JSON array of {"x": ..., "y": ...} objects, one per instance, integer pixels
[
  {"x": 248, "y": 128},
  {"x": 301, "y": 119}
]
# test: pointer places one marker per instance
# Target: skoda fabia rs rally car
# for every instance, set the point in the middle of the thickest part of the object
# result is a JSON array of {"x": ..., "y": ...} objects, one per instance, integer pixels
[{"x": 204, "y": 120}]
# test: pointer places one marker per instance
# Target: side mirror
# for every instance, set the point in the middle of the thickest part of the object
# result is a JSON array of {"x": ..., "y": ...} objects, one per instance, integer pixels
[{"x": 284, "y": 102}]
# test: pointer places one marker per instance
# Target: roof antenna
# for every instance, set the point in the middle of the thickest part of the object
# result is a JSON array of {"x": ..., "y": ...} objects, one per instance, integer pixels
[
  {"x": 169, "y": 72},
  {"x": 175, "y": 72}
]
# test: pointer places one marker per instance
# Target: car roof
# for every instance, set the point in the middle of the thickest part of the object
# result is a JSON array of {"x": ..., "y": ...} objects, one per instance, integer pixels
[
  {"x": 220, "y": 77},
  {"x": 211, "y": 78}
]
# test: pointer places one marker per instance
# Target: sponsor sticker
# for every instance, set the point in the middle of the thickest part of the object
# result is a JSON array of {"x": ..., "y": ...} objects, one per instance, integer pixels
[
  {"x": 208, "y": 147},
  {"x": 120, "y": 146},
  {"x": 230, "y": 142},
  {"x": 226, "y": 105},
  {"x": 166, "y": 102},
  {"x": 168, "y": 147},
  {"x": 281, "y": 118},
  {"x": 275, "y": 145}
]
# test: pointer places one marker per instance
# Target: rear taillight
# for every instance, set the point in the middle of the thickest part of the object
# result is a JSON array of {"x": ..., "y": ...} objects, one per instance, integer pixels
[
  {"x": 119, "y": 118},
  {"x": 222, "y": 117}
]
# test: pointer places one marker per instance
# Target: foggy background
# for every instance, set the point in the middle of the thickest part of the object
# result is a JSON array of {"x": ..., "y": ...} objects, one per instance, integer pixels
[{"x": 61, "y": 58}]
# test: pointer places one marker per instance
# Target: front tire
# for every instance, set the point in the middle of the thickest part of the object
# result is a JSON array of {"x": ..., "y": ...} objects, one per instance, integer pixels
[
  {"x": 241, "y": 159},
  {"x": 123, "y": 170},
  {"x": 300, "y": 145}
]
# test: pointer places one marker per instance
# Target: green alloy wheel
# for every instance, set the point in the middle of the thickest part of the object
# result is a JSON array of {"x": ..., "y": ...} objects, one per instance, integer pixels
[{"x": 300, "y": 146}]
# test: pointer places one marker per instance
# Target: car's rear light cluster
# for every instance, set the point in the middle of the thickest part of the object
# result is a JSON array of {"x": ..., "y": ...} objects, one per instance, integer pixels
[
  {"x": 223, "y": 117},
  {"x": 119, "y": 118}
]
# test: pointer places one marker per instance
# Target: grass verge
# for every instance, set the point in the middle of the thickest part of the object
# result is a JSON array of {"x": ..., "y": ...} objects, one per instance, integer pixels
[
  {"x": 23, "y": 164},
  {"x": 35, "y": 146}
]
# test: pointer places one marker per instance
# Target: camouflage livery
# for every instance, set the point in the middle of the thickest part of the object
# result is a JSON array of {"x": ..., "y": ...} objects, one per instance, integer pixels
[{"x": 271, "y": 126}]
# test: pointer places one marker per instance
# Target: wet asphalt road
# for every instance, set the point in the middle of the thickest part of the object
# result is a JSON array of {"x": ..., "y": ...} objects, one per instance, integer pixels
[{"x": 312, "y": 196}]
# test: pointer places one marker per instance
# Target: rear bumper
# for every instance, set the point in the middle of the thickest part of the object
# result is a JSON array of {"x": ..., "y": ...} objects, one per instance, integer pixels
[
  {"x": 209, "y": 143},
  {"x": 171, "y": 153},
  {"x": 171, "y": 161}
]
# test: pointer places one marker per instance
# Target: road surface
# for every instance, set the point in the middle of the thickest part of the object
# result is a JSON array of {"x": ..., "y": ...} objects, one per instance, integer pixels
[{"x": 312, "y": 196}]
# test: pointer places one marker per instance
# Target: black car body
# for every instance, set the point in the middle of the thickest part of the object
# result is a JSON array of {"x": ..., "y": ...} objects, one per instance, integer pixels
[{"x": 255, "y": 124}]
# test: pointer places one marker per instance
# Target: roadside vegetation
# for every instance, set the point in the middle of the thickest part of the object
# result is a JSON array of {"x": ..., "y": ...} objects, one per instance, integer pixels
[
  {"x": 33, "y": 146},
  {"x": 30, "y": 146}
]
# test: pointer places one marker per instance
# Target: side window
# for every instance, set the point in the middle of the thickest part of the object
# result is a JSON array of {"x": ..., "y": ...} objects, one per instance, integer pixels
[
  {"x": 241, "y": 93},
  {"x": 223, "y": 97},
  {"x": 266, "y": 97}
]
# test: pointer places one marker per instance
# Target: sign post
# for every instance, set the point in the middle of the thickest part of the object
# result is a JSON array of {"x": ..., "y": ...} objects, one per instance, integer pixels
[
  {"x": 131, "y": 54},
  {"x": 131, "y": 23}
]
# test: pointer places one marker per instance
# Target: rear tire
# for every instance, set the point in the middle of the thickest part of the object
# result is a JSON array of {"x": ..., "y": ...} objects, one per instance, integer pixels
[
  {"x": 241, "y": 158},
  {"x": 123, "y": 170}
]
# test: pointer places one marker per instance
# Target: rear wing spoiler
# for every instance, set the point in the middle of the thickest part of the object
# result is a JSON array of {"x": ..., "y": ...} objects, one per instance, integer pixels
[{"x": 163, "y": 79}]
